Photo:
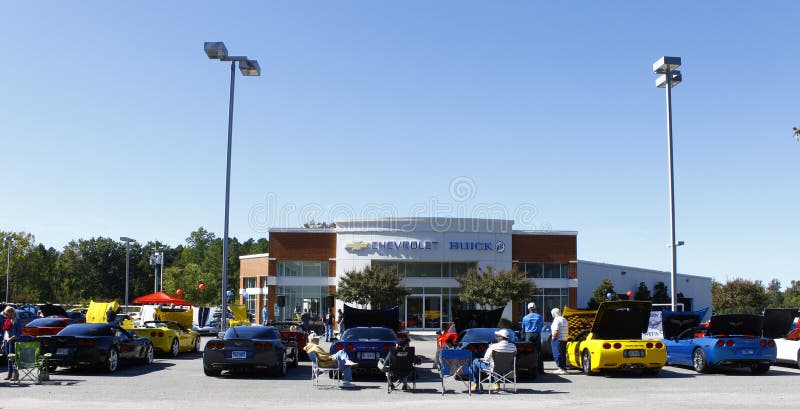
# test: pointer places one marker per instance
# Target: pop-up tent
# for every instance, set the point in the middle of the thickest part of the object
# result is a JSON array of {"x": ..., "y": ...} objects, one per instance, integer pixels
[{"x": 160, "y": 298}]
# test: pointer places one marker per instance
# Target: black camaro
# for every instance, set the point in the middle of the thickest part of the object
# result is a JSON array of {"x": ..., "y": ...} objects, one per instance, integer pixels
[
  {"x": 246, "y": 348},
  {"x": 101, "y": 345}
]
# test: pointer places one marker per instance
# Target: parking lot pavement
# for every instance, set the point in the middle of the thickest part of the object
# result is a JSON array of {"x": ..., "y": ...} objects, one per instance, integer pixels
[{"x": 180, "y": 383}]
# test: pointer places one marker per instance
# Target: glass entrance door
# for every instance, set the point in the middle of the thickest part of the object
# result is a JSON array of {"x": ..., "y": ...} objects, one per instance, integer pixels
[{"x": 423, "y": 311}]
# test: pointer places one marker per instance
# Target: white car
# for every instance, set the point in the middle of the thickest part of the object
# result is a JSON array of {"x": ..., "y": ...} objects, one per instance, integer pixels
[{"x": 788, "y": 344}]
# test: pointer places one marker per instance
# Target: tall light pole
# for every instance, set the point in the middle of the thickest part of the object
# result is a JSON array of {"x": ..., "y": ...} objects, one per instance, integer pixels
[
  {"x": 668, "y": 78},
  {"x": 8, "y": 241},
  {"x": 128, "y": 242},
  {"x": 249, "y": 68}
]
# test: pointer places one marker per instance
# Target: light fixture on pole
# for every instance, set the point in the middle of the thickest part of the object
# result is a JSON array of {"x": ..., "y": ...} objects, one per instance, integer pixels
[
  {"x": 128, "y": 242},
  {"x": 249, "y": 68},
  {"x": 8, "y": 241},
  {"x": 669, "y": 77}
]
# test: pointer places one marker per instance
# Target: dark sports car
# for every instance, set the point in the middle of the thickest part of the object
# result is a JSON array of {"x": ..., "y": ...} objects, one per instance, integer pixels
[
  {"x": 369, "y": 336},
  {"x": 45, "y": 326},
  {"x": 101, "y": 345},
  {"x": 477, "y": 340},
  {"x": 246, "y": 348}
]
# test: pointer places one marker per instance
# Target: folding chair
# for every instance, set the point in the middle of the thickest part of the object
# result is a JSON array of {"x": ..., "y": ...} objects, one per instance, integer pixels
[
  {"x": 317, "y": 371},
  {"x": 503, "y": 370},
  {"x": 455, "y": 363},
  {"x": 400, "y": 368},
  {"x": 29, "y": 363}
]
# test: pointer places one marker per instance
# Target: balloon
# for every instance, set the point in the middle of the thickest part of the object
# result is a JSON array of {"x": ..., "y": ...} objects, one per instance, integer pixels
[
  {"x": 630, "y": 293},
  {"x": 179, "y": 292},
  {"x": 229, "y": 293},
  {"x": 201, "y": 286},
  {"x": 608, "y": 295}
]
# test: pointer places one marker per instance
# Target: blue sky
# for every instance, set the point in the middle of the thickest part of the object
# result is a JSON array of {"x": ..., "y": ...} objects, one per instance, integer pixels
[{"x": 113, "y": 122}]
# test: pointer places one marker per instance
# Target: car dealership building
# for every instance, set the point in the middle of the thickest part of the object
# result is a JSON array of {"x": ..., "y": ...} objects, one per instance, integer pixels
[{"x": 303, "y": 267}]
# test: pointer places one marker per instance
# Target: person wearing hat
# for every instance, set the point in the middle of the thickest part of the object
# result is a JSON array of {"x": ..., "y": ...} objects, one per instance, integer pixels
[
  {"x": 532, "y": 326},
  {"x": 327, "y": 360},
  {"x": 502, "y": 345}
]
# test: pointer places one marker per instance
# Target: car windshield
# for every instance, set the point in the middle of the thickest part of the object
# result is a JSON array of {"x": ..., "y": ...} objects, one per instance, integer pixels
[
  {"x": 482, "y": 335},
  {"x": 87, "y": 330},
  {"x": 252, "y": 332},
  {"x": 46, "y": 322},
  {"x": 369, "y": 334}
]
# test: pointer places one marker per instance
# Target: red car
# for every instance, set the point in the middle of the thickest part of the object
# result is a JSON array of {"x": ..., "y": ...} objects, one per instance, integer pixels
[
  {"x": 46, "y": 326},
  {"x": 291, "y": 330}
]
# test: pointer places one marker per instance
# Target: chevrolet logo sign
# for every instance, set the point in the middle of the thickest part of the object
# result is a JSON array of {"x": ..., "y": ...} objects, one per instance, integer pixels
[{"x": 356, "y": 246}]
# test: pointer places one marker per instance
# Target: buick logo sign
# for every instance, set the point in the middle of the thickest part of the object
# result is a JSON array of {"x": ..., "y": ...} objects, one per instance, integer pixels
[{"x": 500, "y": 246}]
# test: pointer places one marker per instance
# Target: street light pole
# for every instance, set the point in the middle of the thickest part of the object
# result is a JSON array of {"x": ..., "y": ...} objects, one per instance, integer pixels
[
  {"x": 217, "y": 50},
  {"x": 670, "y": 77},
  {"x": 128, "y": 242},
  {"x": 8, "y": 241}
]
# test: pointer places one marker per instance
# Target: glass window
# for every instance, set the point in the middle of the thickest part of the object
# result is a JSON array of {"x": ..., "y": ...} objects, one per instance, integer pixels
[
  {"x": 532, "y": 270},
  {"x": 312, "y": 269},
  {"x": 552, "y": 270},
  {"x": 423, "y": 269},
  {"x": 249, "y": 282},
  {"x": 565, "y": 271},
  {"x": 459, "y": 269}
]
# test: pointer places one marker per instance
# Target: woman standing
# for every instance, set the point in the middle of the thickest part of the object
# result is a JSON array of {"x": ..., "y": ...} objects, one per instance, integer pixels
[{"x": 11, "y": 331}]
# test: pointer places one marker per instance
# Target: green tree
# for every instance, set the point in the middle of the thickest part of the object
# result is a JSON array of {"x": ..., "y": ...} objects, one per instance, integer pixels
[
  {"x": 774, "y": 294},
  {"x": 796, "y": 133},
  {"x": 739, "y": 296},
  {"x": 642, "y": 293},
  {"x": 377, "y": 287},
  {"x": 490, "y": 288},
  {"x": 661, "y": 293},
  {"x": 600, "y": 293},
  {"x": 791, "y": 297}
]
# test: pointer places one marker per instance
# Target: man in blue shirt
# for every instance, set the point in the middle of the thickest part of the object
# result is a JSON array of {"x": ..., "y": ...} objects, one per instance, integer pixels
[{"x": 532, "y": 327}]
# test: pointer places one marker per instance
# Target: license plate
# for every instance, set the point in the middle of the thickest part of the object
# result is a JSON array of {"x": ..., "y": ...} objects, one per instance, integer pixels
[
  {"x": 238, "y": 354},
  {"x": 62, "y": 351},
  {"x": 634, "y": 353},
  {"x": 747, "y": 352},
  {"x": 368, "y": 355}
]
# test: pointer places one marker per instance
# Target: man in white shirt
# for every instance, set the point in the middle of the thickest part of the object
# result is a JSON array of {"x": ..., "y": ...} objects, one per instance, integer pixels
[
  {"x": 502, "y": 345},
  {"x": 560, "y": 329}
]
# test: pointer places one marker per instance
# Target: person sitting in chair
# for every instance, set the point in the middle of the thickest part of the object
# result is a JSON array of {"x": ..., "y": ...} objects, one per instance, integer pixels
[
  {"x": 327, "y": 360},
  {"x": 502, "y": 345}
]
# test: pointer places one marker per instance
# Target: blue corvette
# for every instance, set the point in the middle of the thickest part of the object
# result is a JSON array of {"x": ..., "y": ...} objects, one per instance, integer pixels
[
  {"x": 369, "y": 336},
  {"x": 729, "y": 341}
]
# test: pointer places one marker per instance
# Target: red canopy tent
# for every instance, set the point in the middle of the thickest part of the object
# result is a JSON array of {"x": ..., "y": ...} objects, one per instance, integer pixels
[{"x": 160, "y": 298}]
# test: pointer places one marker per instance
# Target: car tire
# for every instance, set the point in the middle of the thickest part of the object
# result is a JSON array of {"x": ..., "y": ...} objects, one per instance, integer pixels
[
  {"x": 281, "y": 369},
  {"x": 295, "y": 359},
  {"x": 51, "y": 368},
  {"x": 759, "y": 368},
  {"x": 148, "y": 354},
  {"x": 174, "y": 348},
  {"x": 211, "y": 372},
  {"x": 586, "y": 362},
  {"x": 196, "y": 347},
  {"x": 436, "y": 362},
  {"x": 699, "y": 362},
  {"x": 798, "y": 358},
  {"x": 112, "y": 360}
]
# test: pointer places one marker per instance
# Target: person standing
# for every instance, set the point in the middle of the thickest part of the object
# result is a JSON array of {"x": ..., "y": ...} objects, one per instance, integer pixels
[
  {"x": 305, "y": 320},
  {"x": 532, "y": 325},
  {"x": 560, "y": 329},
  {"x": 110, "y": 314},
  {"x": 328, "y": 321},
  {"x": 264, "y": 315},
  {"x": 327, "y": 360},
  {"x": 12, "y": 329},
  {"x": 340, "y": 322}
]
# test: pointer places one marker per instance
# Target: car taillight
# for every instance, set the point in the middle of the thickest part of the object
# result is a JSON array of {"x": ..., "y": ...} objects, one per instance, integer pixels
[
  {"x": 153, "y": 334},
  {"x": 771, "y": 343},
  {"x": 617, "y": 345},
  {"x": 729, "y": 343},
  {"x": 386, "y": 347},
  {"x": 267, "y": 346},
  {"x": 257, "y": 345},
  {"x": 659, "y": 345},
  {"x": 338, "y": 347},
  {"x": 649, "y": 345},
  {"x": 220, "y": 344},
  {"x": 350, "y": 347},
  {"x": 606, "y": 345},
  {"x": 720, "y": 343},
  {"x": 763, "y": 342}
]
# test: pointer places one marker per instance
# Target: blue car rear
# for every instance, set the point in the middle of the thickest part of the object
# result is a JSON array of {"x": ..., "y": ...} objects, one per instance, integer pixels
[{"x": 365, "y": 345}]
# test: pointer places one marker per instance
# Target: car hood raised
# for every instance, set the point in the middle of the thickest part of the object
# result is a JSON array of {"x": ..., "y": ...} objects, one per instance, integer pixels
[
  {"x": 579, "y": 321},
  {"x": 466, "y": 319},
  {"x": 387, "y": 318},
  {"x": 778, "y": 321},
  {"x": 736, "y": 324},
  {"x": 673, "y": 323},
  {"x": 621, "y": 320}
]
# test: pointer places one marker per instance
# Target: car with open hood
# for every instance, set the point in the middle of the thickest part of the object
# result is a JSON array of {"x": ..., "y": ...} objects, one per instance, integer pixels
[
  {"x": 369, "y": 336},
  {"x": 731, "y": 340},
  {"x": 611, "y": 339},
  {"x": 169, "y": 337},
  {"x": 781, "y": 324}
]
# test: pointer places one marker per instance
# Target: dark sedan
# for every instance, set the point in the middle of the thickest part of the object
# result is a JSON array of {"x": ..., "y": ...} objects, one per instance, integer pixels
[
  {"x": 478, "y": 339},
  {"x": 101, "y": 345},
  {"x": 244, "y": 348}
]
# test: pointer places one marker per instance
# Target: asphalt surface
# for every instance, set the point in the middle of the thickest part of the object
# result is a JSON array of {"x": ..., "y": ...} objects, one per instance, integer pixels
[{"x": 180, "y": 383}]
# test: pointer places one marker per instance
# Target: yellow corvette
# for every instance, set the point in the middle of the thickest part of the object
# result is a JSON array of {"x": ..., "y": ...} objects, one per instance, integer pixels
[
  {"x": 611, "y": 339},
  {"x": 169, "y": 337}
]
